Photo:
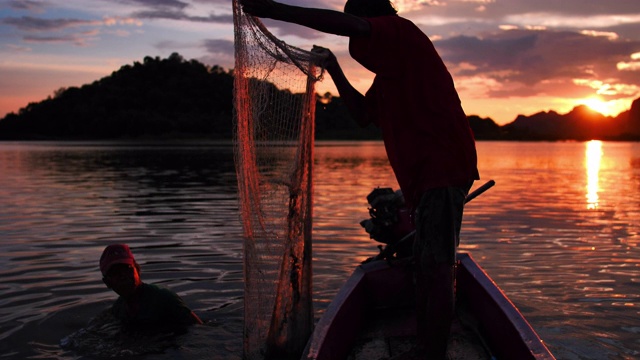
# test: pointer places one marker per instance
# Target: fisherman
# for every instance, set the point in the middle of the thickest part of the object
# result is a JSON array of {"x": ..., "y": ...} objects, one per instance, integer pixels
[
  {"x": 426, "y": 134},
  {"x": 142, "y": 307}
]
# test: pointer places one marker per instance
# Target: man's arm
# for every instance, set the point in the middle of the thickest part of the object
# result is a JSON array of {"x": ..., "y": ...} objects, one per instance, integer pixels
[
  {"x": 327, "y": 21},
  {"x": 354, "y": 100}
]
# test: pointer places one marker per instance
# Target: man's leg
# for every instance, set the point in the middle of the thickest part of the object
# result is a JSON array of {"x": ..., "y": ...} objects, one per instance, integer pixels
[
  {"x": 440, "y": 307},
  {"x": 438, "y": 219},
  {"x": 435, "y": 306}
]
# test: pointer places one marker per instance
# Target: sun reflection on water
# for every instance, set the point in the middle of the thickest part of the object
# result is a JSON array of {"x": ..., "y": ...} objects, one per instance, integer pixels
[{"x": 593, "y": 157}]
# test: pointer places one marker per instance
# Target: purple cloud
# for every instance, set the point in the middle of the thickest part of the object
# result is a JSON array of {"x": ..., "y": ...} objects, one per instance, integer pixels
[
  {"x": 532, "y": 61},
  {"x": 219, "y": 46},
  {"x": 30, "y": 5},
  {"x": 29, "y": 23},
  {"x": 70, "y": 38},
  {"x": 180, "y": 15},
  {"x": 157, "y": 3}
]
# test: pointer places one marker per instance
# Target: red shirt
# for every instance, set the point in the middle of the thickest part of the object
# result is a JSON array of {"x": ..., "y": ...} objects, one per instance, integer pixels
[{"x": 413, "y": 100}]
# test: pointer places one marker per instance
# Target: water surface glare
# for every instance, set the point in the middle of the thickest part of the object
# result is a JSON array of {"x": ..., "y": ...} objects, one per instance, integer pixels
[{"x": 559, "y": 233}]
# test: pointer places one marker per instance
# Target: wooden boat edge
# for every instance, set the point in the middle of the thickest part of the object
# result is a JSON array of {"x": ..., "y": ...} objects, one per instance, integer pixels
[
  {"x": 352, "y": 295},
  {"x": 514, "y": 324},
  {"x": 348, "y": 300}
]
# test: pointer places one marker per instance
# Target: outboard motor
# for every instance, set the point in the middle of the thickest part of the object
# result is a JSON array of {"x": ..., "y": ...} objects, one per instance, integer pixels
[{"x": 390, "y": 221}]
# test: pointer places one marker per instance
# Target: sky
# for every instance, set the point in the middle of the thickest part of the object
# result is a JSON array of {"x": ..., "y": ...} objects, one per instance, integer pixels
[{"x": 507, "y": 57}]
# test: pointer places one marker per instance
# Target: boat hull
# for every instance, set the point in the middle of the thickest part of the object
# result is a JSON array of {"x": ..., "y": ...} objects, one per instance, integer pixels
[{"x": 382, "y": 293}]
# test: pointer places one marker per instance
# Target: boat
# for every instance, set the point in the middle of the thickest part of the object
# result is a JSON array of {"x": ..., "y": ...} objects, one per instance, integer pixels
[{"x": 373, "y": 317}]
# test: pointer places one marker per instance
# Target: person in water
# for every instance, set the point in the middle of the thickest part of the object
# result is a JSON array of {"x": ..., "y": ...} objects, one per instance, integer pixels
[
  {"x": 426, "y": 134},
  {"x": 142, "y": 306}
]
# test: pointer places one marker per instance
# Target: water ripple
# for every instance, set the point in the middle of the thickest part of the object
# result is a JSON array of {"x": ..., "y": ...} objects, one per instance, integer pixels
[{"x": 569, "y": 263}]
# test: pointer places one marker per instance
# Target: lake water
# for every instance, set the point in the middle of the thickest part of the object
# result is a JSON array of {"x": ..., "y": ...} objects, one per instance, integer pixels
[{"x": 559, "y": 233}]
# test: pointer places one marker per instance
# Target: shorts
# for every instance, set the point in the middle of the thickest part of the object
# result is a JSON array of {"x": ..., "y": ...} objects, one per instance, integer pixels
[{"x": 438, "y": 219}]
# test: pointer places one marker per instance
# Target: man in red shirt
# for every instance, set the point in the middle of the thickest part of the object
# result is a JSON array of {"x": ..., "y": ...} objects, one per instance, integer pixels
[{"x": 426, "y": 134}]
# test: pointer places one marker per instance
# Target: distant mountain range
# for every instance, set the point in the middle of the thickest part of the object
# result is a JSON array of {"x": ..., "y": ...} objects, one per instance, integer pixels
[
  {"x": 175, "y": 98},
  {"x": 581, "y": 123}
]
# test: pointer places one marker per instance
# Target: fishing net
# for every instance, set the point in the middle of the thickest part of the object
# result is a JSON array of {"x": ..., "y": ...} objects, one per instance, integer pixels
[{"x": 274, "y": 130}]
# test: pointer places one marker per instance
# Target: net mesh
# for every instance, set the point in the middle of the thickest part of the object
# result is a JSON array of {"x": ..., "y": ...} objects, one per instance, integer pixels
[{"x": 274, "y": 130}]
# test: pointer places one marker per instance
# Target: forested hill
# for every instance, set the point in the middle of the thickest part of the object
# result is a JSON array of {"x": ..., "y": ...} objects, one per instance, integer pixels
[
  {"x": 156, "y": 97},
  {"x": 176, "y": 98}
]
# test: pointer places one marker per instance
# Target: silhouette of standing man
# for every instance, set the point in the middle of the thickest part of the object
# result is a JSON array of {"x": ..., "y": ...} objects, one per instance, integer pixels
[{"x": 426, "y": 134}]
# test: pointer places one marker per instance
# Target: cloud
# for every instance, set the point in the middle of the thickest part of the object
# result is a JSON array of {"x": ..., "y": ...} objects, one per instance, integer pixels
[
  {"x": 219, "y": 46},
  {"x": 544, "y": 10},
  {"x": 631, "y": 64},
  {"x": 29, "y": 23},
  {"x": 18, "y": 48},
  {"x": 609, "y": 89},
  {"x": 171, "y": 14},
  {"x": 157, "y": 3},
  {"x": 405, "y": 6},
  {"x": 29, "y": 5},
  {"x": 219, "y": 52},
  {"x": 463, "y": 17},
  {"x": 182, "y": 10},
  {"x": 226, "y": 3},
  {"x": 211, "y": 11},
  {"x": 171, "y": 45},
  {"x": 574, "y": 21},
  {"x": 57, "y": 31},
  {"x": 116, "y": 20},
  {"x": 608, "y": 34},
  {"x": 35, "y": 24},
  {"x": 626, "y": 31},
  {"x": 528, "y": 62},
  {"x": 78, "y": 39},
  {"x": 51, "y": 39}
]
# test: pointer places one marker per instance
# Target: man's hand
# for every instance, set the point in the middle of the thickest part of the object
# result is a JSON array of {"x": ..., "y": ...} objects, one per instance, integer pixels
[
  {"x": 324, "y": 57},
  {"x": 259, "y": 8}
]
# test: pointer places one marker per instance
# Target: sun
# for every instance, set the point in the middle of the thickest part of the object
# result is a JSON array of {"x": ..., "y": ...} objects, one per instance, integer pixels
[
  {"x": 598, "y": 105},
  {"x": 606, "y": 108}
]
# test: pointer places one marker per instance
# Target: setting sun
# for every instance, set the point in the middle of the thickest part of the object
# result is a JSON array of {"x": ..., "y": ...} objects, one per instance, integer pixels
[{"x": 607, "y": 108}]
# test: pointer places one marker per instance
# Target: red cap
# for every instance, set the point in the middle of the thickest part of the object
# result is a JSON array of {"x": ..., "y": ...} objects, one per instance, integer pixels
[{"x": 115, "y": 254}]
